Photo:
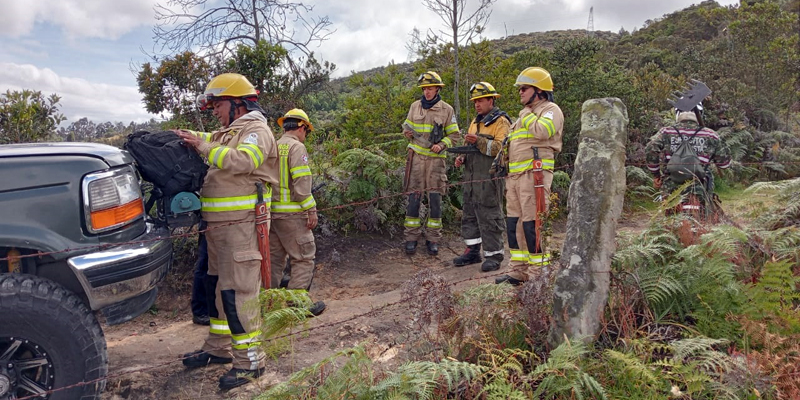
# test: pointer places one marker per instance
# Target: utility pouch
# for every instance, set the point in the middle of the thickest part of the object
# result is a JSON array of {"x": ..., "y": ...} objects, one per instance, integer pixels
[{"x": 437, "y": 134}]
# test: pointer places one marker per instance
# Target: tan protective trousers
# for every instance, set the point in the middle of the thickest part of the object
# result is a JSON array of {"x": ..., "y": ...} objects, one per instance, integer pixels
[
  {"x": 291, "y": 238},
  {"x": 234, "y": 267},
  {"x": 521, "y": 208},
  {"x": 428, "y": 176}
]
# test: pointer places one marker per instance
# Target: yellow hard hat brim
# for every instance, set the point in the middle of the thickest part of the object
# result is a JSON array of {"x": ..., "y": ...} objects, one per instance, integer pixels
[
  {"x": 485, "y": 95},
  {"x": 310, "y": 126},
  {"x": 432, "y": 84}
]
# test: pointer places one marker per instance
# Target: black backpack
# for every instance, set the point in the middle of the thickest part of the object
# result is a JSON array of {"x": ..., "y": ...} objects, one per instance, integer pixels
[
  {"x": 164, "y": 160},
  {"x": 684, "y": 164}
]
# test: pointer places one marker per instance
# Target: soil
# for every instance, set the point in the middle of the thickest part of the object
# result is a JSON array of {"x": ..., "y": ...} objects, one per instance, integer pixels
[{"x": 355, "y": 274}]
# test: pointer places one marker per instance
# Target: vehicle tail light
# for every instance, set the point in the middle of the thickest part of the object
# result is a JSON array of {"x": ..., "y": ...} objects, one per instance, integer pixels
[{"x": 111, "y": 199}]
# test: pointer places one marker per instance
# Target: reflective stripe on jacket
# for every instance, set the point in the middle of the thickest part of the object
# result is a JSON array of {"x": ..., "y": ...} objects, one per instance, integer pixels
[
  {"x": 293, "y": 192},
  {"x": 540, "y": 127},
  {"x": 423, "y": 121},
  {"x": 240, "y": 155}
]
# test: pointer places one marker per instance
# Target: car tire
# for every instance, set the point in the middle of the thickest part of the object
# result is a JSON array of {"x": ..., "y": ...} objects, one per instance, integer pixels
[{"x": 49, "y": 339}]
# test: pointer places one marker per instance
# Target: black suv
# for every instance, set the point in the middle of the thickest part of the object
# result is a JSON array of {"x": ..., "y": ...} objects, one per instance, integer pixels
[{"x": 74, "y": 241}]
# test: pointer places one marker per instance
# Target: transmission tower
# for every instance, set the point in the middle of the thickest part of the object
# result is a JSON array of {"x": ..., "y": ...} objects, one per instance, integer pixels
[{"x": 590, "y": 25}]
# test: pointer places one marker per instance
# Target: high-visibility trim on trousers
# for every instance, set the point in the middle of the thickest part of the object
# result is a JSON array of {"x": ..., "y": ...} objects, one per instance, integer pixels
[
  {"x": 539, "y": 259},
  {"x": 219, "y": 326},
  {"x": 434, "y": 223},
  {"x": 246, "y": 341},
  {"x": 519, "y": 255},
  {"x": 472, "y": 242},
  {"x": 412, "y": 222}
]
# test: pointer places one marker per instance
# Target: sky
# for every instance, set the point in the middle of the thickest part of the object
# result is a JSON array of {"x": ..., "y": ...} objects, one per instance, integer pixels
[{"x": 88, "y": 51}]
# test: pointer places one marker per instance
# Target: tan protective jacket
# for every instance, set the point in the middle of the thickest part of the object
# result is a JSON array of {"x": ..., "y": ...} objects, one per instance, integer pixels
[
  {"x": 293, "y": 194},
  {"x": 498, "y": 129},
  {"x": 422, "y": 122},
  {"x": 541, "y": 127},
  {"x": 240, "y": 155}
]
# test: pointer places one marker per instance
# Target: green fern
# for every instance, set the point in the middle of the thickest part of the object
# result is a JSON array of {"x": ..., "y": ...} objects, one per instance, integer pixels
[
  {"x": 505, "y": 371},
  {"x": 562, "y": 373},
  {"x": 632, "y": 366},
  {"x": 326, "y": 380},
  {"x": 660, "y": 289},
  {"x": 775, "y": 296},
  {"x": 653, "y": 246},
  {"x": 421, "y": 379}
]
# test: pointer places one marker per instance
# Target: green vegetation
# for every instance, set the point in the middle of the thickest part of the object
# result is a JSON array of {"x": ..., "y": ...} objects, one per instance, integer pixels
[{"x": 695, "y": 312}]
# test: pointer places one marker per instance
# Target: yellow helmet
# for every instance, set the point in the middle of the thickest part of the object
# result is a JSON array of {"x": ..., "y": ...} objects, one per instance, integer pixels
[
  {"x": 481, "y": 90},
  {"x": 536, "y": 77},
  {"x": 299, "y": 114},
  {"x": 430, "y": 78},
  {"x": 226, "y": 86}
]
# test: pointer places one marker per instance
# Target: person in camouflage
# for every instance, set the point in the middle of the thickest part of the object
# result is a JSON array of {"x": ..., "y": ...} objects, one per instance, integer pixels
[{"x": 707, "y": 146}]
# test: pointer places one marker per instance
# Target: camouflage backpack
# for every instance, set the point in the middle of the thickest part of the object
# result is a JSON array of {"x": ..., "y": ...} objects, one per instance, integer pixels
[{"x": 684, "y": 164}]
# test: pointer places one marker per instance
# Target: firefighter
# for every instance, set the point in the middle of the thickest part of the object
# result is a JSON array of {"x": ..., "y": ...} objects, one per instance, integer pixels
[
  {"x": 707, "y": 147},
  {"x": 431, "y": 126},
  {"x": 293, "y": 207},
  {"x": 483, "y": 221},
  {"x": 241, "y": 153},
  {"x": 533, "y": 143}
]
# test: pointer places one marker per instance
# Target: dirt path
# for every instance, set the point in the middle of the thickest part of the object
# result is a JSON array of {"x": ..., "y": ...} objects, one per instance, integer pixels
[{"x": 354, "y": 275}]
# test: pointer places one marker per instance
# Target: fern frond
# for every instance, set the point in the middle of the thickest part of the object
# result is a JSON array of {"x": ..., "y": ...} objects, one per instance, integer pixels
[
  {"x": 791, "y": 185},
  {"x": 562, "y": 372},
  {"x": 784, "y": 242},
  {"x": 419, "y": 379},
  {"x": 645, "y": 249},
  {"x": 632, "y": 365},
  {"x": 659, "y": 288},
  {"x": 695, "y": 347}
]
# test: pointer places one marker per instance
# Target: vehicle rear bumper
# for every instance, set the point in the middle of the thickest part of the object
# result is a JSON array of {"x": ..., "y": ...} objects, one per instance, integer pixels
[{"x": 116, "y": 274}]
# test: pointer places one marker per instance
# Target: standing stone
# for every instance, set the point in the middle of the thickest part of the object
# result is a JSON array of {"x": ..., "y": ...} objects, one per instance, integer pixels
[{"x": 595, "y": 203}]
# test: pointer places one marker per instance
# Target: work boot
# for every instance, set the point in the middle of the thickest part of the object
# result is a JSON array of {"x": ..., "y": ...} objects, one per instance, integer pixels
[
  {"x": 433, "y": 248},
  {"x": 317, "y": 308},
  {"x": 472, "y": 255},
  {"x": 201, "y": 320},
  {"x": 237, "y": 377},
  {"x": 509, "y": 279},
  {"x": 492, "y": 263},
  {"x": 200, "y": 358},
  {"x": 411, "y": 247}
]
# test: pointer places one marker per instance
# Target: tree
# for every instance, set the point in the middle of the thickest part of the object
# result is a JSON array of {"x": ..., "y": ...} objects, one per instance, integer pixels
[
  {"x": 27, "y": 116},
  {"x": 281, "y": 81},
  {"x": 173, "y": 84},
  {"x": 217, "y": 31},
  {"x": 462, "y": 29}
]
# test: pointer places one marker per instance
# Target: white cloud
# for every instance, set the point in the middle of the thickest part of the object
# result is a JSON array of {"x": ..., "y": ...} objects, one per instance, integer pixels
[
  {"x": 78, "y": 18},
  {"x": 79, "y": 97},
  {"x": 372, "y": 33}
]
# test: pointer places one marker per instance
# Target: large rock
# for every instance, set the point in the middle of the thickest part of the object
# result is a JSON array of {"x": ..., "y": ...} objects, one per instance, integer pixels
[{"x": 595, "y": 203}]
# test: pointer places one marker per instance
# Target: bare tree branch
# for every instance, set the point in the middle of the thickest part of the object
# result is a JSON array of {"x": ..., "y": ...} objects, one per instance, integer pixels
[
  {"x": 188, "y": 25},
  {"x": 460, "y": 29}
]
